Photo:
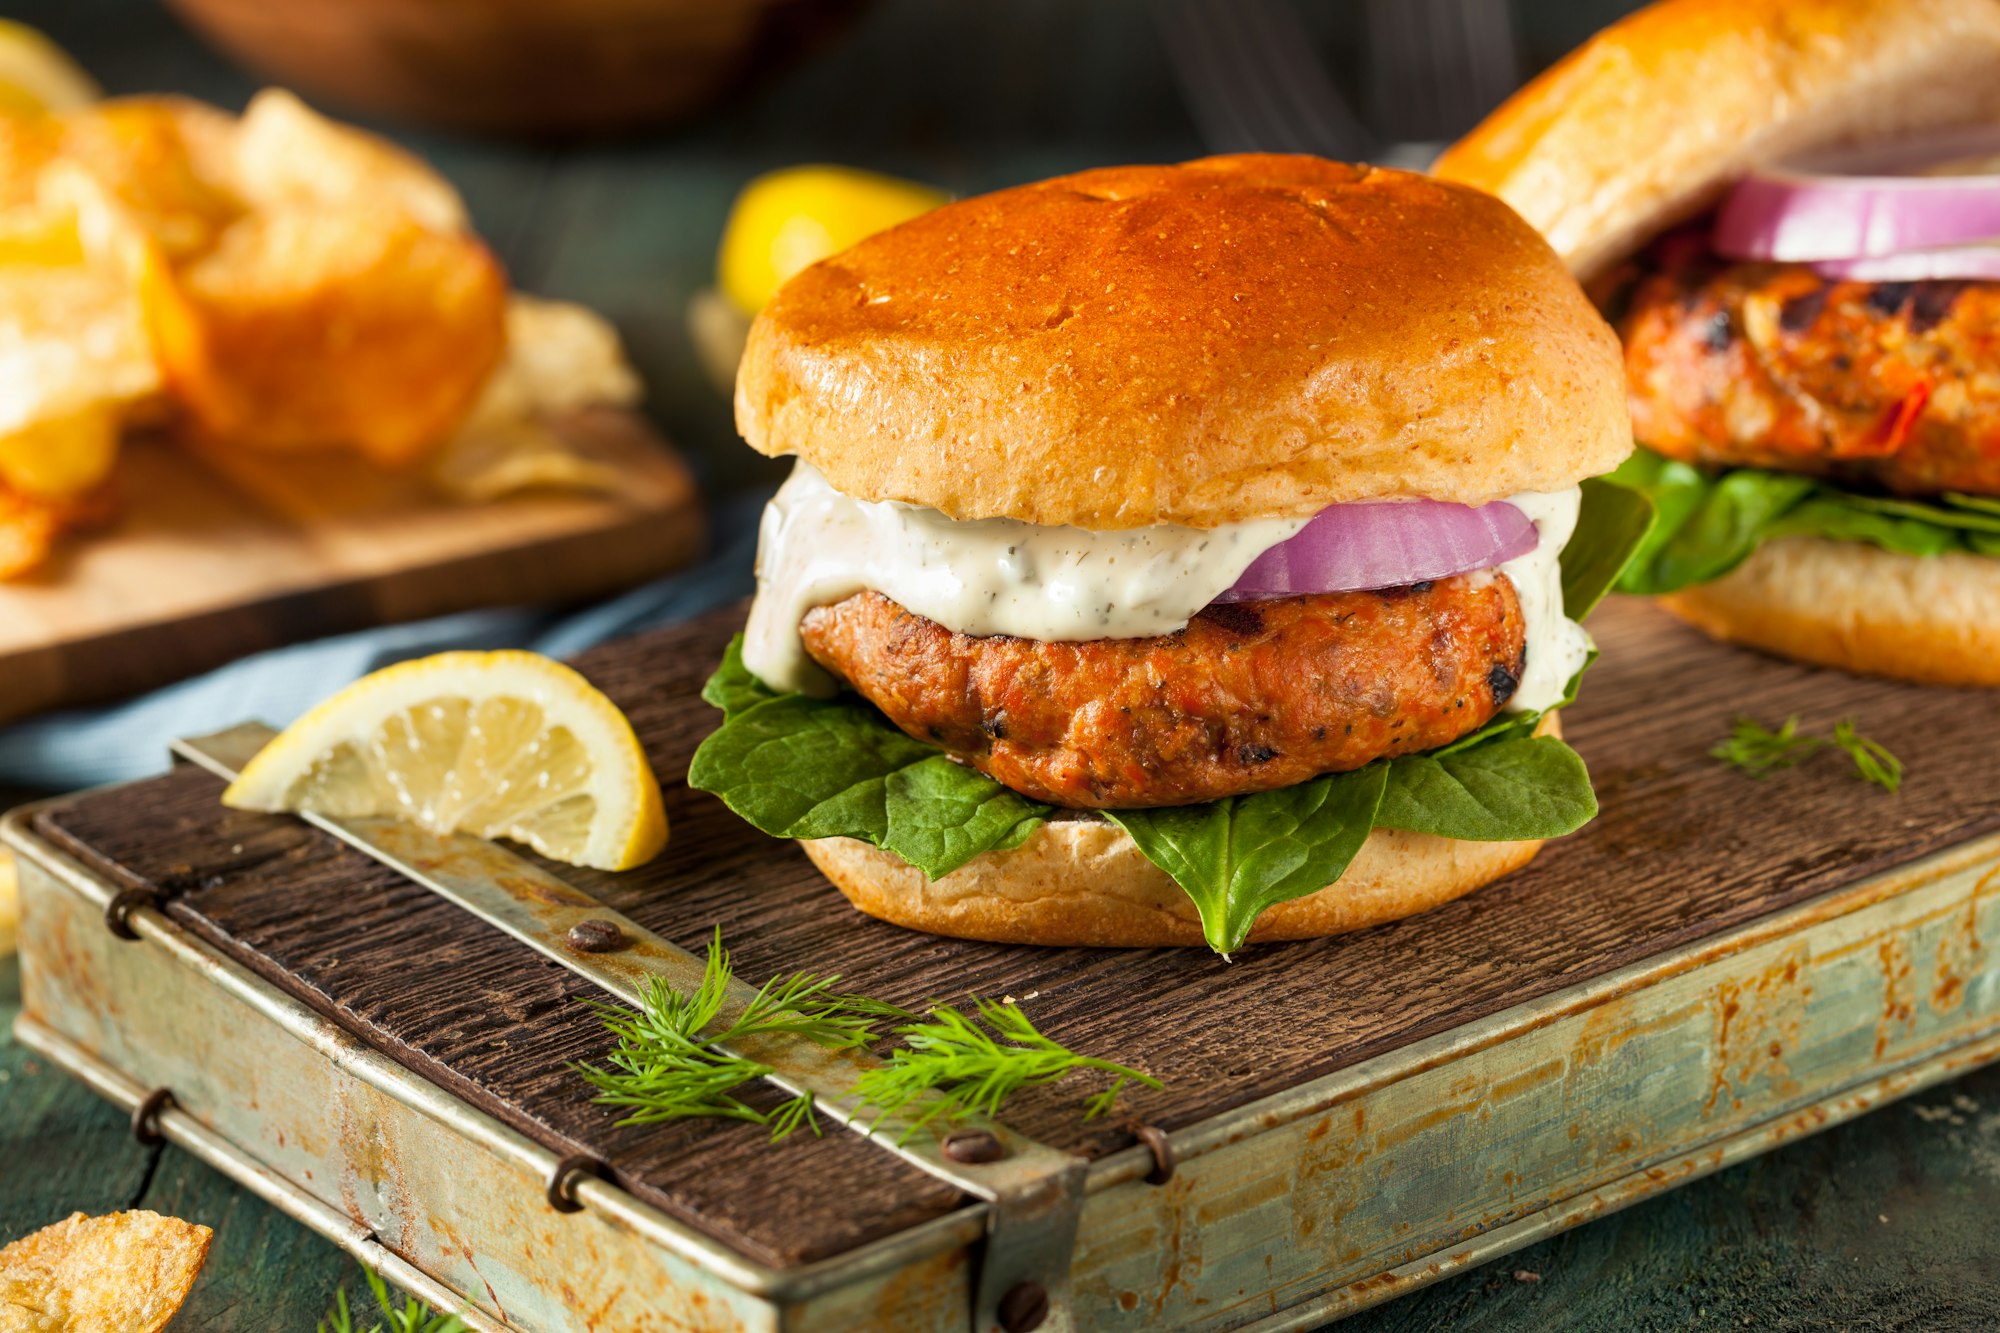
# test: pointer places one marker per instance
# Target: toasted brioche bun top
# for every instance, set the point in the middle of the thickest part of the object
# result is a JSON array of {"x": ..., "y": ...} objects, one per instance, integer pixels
[
  {"x": 1234, "y": 338},
  {"x": 1647, "y": 123}
]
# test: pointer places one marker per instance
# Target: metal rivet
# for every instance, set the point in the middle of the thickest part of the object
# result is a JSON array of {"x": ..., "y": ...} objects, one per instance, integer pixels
[
  {"x": 1024, "y": 1307},
  {"x": 974, "y": 1147},
  {"x": 118, "y": 911},
  {"x": 1163, "y": 1153},
  {"x": 596, "y": 936},
  {"x": 146, "y": 1117},
  {"x": 563, "y": 1179}
]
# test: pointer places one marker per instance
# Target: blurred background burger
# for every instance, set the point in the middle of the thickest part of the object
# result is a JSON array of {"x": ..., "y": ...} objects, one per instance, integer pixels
[{"x": 1790, "y": 210}]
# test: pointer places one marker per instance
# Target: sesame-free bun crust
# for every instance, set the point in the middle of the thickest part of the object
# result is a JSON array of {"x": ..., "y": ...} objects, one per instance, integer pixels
[
  {"x": 1082, "y": 881},
  {"x": 1934, "y": 619},
  {"x": 1644, "y": 125},
  {"x": 1233, "y": 338}
]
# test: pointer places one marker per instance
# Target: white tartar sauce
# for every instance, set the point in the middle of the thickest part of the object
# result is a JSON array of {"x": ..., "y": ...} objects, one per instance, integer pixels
[
  {"x": 1556, "y": 645},
  {"x": 816, "y": 546}
]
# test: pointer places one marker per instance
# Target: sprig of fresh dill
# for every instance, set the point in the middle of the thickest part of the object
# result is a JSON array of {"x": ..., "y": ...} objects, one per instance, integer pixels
[
  {"x": 1760, "y": 752},
  {"x": 667, "y": 1065},
  {"x": 974, "y": 1064},
  {"x": 414, "y": 1317},
  {"x": 1872, "y": 760}
]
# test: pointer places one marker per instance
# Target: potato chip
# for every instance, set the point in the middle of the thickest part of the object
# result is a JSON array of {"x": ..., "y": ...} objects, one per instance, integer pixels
[
  {"x": 326, "y": 327},
  {"x": 61, "y": 458},
  {"x": 26, "y": 147},
  {"x": 74, "y": 332},
  {"x": 30, "y": 526},
  {"x": 120, "y": 1273},
  {"x": 166, "y": 162},
  {"x": 37, "y": 76},
  {"x": 288, "y": 156},
  {"x": 501, "y": 458},
  {"x": 28, "y": 532},
  {"x": 10, "y": 903},
  {"x": 560, "y": 356}
]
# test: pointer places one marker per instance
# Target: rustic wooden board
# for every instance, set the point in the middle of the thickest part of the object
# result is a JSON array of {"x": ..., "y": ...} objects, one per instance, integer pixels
[
  {"x": 209, "y": 562},
  {"x": 1685, "y": 849}
]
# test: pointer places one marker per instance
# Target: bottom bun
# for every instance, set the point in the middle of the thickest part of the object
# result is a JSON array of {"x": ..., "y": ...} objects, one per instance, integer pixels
[
  {"x": 1928, "y": 618},
  {"x": 1083, "y": 881}
]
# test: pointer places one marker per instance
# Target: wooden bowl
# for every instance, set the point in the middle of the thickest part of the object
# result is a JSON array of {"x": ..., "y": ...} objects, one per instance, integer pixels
[{"x": 536, "y": 67}]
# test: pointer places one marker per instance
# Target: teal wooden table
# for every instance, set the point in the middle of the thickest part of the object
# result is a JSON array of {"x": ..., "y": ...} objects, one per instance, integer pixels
[{"x": 1892, "y": 1222}]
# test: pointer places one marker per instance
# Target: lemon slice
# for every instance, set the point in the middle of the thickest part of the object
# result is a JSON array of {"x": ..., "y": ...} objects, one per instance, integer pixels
[
  {"x": 36, "y": 75},
  {"x": 502, "y": 745},
  {"x": 795, "y": 217}
]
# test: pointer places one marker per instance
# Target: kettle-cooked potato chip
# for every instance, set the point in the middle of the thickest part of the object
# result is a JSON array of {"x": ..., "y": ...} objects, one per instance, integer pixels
[
  {"x": 28, "y": 531},
  {"x": 30, "y": 525},
  {"x": 10, "y": 903},
  {"x": 74, "y": 333},
  {"x": 61, "y": 458},
  {"x": 166, "y": 162},
  {"x": 288, "y": 155},
  {"x": 120, "y": 1273},
  {"x": 561, "y": 357},
  {"x": 328, "y": 327}
]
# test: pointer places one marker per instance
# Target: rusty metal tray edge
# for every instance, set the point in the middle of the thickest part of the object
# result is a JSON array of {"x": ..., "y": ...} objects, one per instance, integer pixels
[
  {"x": 239, "y": 1166},
  {"x": 1635, "y": 1188}
]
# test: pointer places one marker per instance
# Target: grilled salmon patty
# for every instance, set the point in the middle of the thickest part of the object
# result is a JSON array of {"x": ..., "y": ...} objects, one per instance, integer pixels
[
  {"x": 1893, "y": 385},
  {"x": 1251, "y": 696}
]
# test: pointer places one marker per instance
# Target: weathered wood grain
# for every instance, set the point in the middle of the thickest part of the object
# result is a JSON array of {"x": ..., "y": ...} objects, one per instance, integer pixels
[
  {"x": 1685, "y": 848},
  {"x": 210, "y": 562}
]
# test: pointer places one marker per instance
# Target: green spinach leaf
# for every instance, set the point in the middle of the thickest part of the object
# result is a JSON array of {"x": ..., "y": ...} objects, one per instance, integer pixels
[
  {"x": 823, "y": 768},
  {"x": 1707, "y": 523},
  {"x": 1510, "y": 790},
  {"x": 1611, "y": 526},
  {"x": 1238, "y": 856}
]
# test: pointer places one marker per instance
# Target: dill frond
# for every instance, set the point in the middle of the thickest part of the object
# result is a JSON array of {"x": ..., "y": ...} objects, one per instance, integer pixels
[
  {"x": 665, "y": 1064},
  {"x": 1759, "y": 752},
  {"x": 975, "y": 1063},
  {"x": 1872, "y": 760},
  {"x": 414, "y": 1317}
]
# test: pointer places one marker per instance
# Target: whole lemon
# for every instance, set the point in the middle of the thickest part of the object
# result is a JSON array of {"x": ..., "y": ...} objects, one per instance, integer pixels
[{"x": 791, "y": 218}]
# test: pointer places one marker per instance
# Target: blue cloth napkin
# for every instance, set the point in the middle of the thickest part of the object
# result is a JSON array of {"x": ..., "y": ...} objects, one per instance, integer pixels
[{"x": 88, "y": 747}]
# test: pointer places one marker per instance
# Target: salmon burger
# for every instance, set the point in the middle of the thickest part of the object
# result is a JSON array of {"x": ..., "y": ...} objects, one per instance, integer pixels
[{"x": 1175, "y": 555}]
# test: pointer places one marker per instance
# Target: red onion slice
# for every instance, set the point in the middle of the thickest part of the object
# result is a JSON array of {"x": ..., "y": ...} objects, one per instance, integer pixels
[
  {"x": 1386, "y": 544},
  {"x": 1966, "y": 261},
  {"x": 1865, "y": 204}
]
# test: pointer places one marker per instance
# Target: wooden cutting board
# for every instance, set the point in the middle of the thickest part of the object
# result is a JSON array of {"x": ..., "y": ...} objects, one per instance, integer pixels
[{"x": 212, "y": 560}]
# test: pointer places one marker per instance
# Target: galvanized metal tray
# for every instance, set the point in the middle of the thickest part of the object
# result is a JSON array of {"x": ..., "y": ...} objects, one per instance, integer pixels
[{"x": 1714, "y": 966}]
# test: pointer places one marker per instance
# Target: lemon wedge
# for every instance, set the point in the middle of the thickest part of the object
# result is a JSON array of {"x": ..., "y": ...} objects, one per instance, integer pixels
[
  {"x": 501, "y": 745},
  {"x": 789, "y": 219},
  {"x": 38, "y": 76}
]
